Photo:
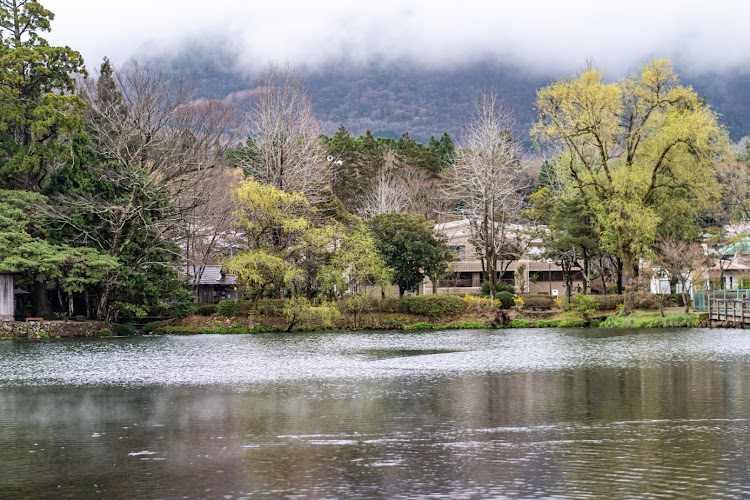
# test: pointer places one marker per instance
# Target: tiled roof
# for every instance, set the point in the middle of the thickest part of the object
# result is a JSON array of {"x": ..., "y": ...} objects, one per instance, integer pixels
[{"x": 212, "y": 275}]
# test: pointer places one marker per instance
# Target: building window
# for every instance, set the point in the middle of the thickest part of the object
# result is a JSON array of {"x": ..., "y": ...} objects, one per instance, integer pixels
[{"x": 461, "y": 251}]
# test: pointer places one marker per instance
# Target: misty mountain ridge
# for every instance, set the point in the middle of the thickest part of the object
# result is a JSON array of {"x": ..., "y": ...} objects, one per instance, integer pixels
[{"x": 390, "y": 98}]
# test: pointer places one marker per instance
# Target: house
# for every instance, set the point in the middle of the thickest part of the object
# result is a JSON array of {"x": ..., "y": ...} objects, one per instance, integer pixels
[
  {"x": 7, "y": 302},
  {"x": 732, "y": 266},
  {"x": 211, "y": 284},
  {"x": 537, "y": 275}
]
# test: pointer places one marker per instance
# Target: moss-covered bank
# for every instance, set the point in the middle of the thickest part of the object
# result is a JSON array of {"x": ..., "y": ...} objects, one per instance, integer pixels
[{"x": 17, "y": 330}]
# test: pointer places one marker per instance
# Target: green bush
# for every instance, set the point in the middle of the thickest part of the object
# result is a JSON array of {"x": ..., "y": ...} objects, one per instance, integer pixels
[
  {"x": 647, "y": 301},
  {"x": 484, "y": 288},
  {"x": 126, "y": 329},
  {"x": 583, "y": 305},
  {"x": 673, "y": 300},
  {"x": 506, "y": 299},
  {"x": 182, "y": 303},
  {"x": 264, "y": 307},
  {"x": 608, "y": 302},
  {"x": 150, "y": 327},
  {"x": 538, "y": 301},
  {"x": 434, "y": 306},
  {"x": 358, "y": 304},
  {"x": 389, "y": 305},
  {"x": 228, "y": 308},
  {"x": 206, "y": 310}
]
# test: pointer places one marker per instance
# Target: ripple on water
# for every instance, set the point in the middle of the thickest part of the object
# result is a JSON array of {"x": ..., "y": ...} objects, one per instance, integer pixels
[{"x": 241, "y": 359}]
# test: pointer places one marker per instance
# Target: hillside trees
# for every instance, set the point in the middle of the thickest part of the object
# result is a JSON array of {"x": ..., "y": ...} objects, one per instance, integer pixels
[
  {"x": 640, "y": 151},
  {"x": 486, "y": 180}
]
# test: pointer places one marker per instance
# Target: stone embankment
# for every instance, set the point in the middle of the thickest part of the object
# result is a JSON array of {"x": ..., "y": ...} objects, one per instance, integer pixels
[{"x": 19, "y": 330}]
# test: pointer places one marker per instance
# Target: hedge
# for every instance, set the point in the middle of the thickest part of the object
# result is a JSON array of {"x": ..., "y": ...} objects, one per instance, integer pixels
[
  {"x": 434, "y": 306},
  {"x": 538, "y": 301},
  {"x": 206, "y": 310}
]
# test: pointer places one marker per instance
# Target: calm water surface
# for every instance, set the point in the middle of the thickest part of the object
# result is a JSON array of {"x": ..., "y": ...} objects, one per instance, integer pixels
[{"x": 454, "y": 414}]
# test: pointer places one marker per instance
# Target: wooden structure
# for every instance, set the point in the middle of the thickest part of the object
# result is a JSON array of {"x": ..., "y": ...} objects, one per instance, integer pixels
[
  {"x": 7, "y": 302},
  {"x": 735, "y": 311}
]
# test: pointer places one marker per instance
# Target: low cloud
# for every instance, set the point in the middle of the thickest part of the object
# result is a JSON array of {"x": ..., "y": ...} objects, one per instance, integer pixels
[{"x": 543, "y": 36}]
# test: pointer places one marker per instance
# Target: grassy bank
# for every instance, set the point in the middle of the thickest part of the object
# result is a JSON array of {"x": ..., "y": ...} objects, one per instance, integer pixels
[{"x": 411, "y": 314}]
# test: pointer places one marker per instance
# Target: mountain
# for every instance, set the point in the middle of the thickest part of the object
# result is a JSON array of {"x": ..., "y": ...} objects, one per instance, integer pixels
[{"x": 392, "y": 98}]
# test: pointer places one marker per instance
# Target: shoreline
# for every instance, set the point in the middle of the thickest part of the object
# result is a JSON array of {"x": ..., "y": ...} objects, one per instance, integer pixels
[{"x": 217, "y": 325}]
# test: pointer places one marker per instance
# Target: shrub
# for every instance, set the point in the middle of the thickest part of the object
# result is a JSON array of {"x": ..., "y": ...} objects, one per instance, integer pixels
[
  {"x": 356, "y": 304},
  {"x": 673, "y": 300},
  {"x": 126, "y": 329},
  {"x": 608, "y": 302},
  {"x": 481, "y": 303},
  {"x": 388, "y": 305},
  {"x": 206, "y": 309},
  {"x": 264, "y": 307},
  {"x": 506, "y": 299},
  {"x": 326, "y": 317},
  {"x": 228, "y": 308},
  {"x": 484, "y": 288},
  {"x": 539, "y": 301},
  {"x": 434, "y": 306},
  {"x": 182, "y": 303},
  {"x": 647, "y": 301},
  {"x": 584, "y": 305},
  {"x": 150, "y": 327}
]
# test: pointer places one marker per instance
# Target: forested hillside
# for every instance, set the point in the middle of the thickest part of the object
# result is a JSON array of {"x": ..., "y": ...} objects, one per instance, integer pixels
[{"x": 389, "y": 99}]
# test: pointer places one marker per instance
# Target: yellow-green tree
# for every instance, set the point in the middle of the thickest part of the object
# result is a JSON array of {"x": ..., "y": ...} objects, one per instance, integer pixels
[
  {"x": 277, "y": 226},
  {"x": 640, "y": 153}
]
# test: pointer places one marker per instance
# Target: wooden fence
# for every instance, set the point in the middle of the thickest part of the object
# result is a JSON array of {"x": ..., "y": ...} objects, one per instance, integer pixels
[{"x": 736, "y": 311}]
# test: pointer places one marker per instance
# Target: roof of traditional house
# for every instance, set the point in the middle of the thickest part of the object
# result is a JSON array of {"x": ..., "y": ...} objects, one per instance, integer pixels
[
  {"x": 212, "y": 275},
  {"x": 741, "y": 247}
]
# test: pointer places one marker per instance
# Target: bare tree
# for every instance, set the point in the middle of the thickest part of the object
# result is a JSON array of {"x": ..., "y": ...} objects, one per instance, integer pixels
[
  {"x": 160, "y": 145},
  {"x": 424, "y": 193},
  {"x": 283, "y": 125},
  {"x": 388, "y": 193},
  {"x": 686, "y": 262},
  {"x": 487, "y": 180},
  {"x": 207, "y": 234},
  {"x": 734, "y": 176}
]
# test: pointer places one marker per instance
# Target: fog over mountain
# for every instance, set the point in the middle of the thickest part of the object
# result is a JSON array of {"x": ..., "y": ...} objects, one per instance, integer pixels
[{"x": 416, "y": 65}]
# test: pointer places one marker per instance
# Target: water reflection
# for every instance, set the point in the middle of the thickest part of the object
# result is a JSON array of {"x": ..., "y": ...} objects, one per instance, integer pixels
[{"x": 451, "y": 414}]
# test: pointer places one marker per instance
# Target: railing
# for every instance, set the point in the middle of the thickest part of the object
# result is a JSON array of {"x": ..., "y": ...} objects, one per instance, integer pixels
[
  {"x": 732, "y": 310},
  {"x": 455, "y": 283},
  {"x": 701, "y": 297}
]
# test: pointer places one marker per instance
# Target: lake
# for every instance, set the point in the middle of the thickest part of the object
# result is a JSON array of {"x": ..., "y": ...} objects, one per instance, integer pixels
[{"x": 562, "y": 413}]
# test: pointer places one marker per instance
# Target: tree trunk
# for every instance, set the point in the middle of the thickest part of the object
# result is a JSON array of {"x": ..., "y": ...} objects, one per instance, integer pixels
[
  {"x": 70, "y": 305},
  {"x": 42, "y": 306},
  {"x": 586, "y": 272},
  {"x": 628, "y": 272},
  {"x": 257, "y": 296},
  {"x": 618, "y": 266},
  {"x": 685, "y": 296},
  {"x": 88, "y": 303},
  {"x": 102, "y": 310}
]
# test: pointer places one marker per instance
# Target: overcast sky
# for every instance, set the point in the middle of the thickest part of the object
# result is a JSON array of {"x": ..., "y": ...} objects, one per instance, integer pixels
[{"x": 550, "y": 35}]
